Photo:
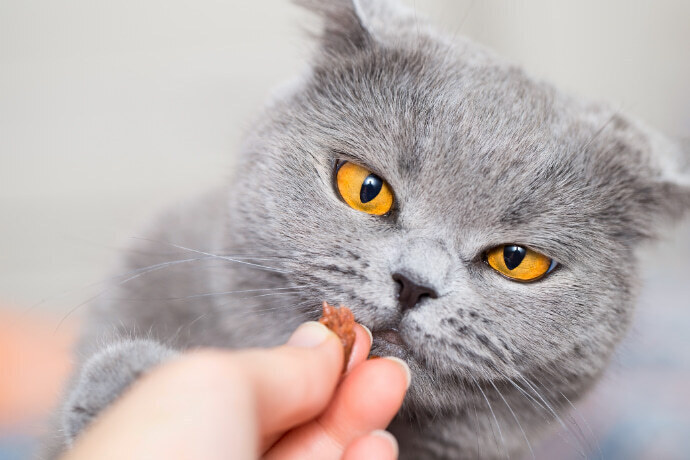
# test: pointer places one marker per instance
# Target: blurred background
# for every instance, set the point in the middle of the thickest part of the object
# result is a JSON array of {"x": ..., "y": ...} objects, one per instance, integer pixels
[{"x": 110, "y": 111}]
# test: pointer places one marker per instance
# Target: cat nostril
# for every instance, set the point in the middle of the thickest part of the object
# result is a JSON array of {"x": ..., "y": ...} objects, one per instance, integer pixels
[
  {"x": 399, "y": 283},
  {"x": 411, "y": 292}
]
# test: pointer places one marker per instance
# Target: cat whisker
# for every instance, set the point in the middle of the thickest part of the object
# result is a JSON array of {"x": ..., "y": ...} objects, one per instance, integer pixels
[
  {"x": 589, "y": 428},
  {"x": 476, "y": 425},
  {"x": 536, "y": 404},
  {"x": 553, "y": 412},
  {"x": 293, "y": 306},
  {"x": 578, "y": 433},
  {"x": 177, "y": 333},
  {"x": 138, "y": 273},
  {"x": 257, "y": 309},
  {"x": 107, "y": 280},
  {"x": 270, "y": 294},
  {"x": 229, "y": 259},
  {"x": 222, "y": 293},
  {"x": 252, "y": 258},
  {"x": 585, "y": 441},
  {"x": 493, "y": 414},
  {"x": 524, "y": 435}
]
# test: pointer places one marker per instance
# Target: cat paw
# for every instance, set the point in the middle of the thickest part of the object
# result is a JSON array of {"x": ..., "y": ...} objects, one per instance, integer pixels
[{"x": 104, "y": 377}]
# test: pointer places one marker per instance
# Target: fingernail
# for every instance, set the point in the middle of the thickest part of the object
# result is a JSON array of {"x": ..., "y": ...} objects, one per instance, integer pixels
[
  {"x": 309, "y": 334},
  {"x": 371, "y": 337},
  {"x": 403, "y": 364},
  {"x": 389, "y": 438}
]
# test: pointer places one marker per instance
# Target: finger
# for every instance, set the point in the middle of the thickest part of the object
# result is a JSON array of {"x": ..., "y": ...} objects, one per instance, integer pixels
[
  {"x": 361, "y": 348},
  {"x": 360, "y": 352},
  {"x": 295, "y": 382},
  {"x": 377, "y": 445},
  {"x": 366, "y": 400}
]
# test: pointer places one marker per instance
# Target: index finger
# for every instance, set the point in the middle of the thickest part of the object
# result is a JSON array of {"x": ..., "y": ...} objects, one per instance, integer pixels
[
  {"x": 294, "y": 383},
  {"x": 274, "y": 423}
]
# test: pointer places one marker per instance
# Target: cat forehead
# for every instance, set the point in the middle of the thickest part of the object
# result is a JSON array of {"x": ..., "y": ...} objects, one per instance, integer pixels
[
  {"x": 441, "y": 110},
  {"x": 441, "y": 95}
]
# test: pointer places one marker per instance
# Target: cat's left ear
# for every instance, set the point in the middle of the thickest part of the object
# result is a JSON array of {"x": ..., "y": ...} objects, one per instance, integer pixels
[
  {"x": 672, "y": 160},
  {"x": 664, "y": 195},
  {"x": 641, "y": 178},
  {"x": 349, "y": 25}
]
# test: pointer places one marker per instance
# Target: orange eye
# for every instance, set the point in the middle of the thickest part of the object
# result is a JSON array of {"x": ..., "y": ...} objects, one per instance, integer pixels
[
  {"x": 363, "y": 190},
  {"x": 519, "y": 263}
]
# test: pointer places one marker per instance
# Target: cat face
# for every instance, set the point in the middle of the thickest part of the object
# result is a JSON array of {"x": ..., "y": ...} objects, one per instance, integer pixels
[{"x": 475, "y": 155}]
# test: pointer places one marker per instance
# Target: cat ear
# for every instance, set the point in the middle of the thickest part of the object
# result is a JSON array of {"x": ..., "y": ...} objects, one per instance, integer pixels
[
  {"x": 641, "y": 178},
  {"x": 663, "y": 196},
  {"x": 349, "y": 25},
  {"x": 672, "y": 162}
]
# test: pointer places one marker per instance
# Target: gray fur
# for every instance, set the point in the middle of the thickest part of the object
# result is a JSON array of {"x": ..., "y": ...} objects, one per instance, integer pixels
[{"x": 478, "y": 154}]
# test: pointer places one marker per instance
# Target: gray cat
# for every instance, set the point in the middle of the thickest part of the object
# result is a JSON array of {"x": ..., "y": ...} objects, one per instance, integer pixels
[{"x": 482, "y": 224}]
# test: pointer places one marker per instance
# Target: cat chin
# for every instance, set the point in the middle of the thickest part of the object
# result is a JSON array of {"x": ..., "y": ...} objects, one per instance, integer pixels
[
  {"x": 434, "y": 398},
  {"x": 450, "y": 391}
]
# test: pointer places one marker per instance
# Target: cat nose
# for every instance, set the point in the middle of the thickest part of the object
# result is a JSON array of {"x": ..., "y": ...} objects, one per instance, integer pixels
[{"x": 411, "y": 292}]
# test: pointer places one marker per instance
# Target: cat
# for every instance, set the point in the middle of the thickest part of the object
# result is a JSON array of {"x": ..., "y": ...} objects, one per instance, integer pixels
[{"x": 481, "y": 223}]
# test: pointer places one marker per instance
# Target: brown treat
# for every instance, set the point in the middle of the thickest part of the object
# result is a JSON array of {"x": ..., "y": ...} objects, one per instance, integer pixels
[{"x": 342, "y": 322}]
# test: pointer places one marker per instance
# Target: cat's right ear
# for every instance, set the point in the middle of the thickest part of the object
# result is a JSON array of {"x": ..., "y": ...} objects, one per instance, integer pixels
[{"x": 352, "y": 25}]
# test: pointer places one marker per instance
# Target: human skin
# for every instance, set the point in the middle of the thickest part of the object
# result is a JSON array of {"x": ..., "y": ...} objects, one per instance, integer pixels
[{"x": 286, "y": 402}]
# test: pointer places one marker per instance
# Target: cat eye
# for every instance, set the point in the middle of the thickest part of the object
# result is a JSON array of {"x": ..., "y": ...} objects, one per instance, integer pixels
[
  {"x": 519, "y": 263},
  {"x": 363, "y": 190}
]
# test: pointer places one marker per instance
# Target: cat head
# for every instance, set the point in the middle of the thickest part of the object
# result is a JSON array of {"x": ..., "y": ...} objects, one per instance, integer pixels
[{"x": 401, "y": 172}]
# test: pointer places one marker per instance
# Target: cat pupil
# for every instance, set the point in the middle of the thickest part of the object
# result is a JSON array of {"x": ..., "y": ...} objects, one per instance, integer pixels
[
  {"x": 513, "y": 255},
  {"x": 370, "y": 188}
]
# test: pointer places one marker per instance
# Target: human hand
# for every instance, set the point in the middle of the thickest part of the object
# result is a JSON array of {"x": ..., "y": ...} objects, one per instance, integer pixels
[{"x": 289, "y": 402}]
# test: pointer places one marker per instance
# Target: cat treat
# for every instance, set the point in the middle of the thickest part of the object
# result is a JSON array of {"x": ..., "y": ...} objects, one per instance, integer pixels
[{"x": 341, "y": 321}]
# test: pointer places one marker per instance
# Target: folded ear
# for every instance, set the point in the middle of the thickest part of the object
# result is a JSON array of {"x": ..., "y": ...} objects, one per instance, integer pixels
[
  {"x": 645, "y": 175},
  {"x": 349, "y": 25},
  {"x": 671, "y": 162}
]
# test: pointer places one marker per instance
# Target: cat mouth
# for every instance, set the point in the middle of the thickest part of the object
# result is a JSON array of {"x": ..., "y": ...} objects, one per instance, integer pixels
[
  {"x": 391, "y": 336},
  {"x": 389, "y": 342}
]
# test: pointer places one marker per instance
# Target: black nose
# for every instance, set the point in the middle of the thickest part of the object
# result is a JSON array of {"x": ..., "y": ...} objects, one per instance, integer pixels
[{"x": 411, "y": 292}]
